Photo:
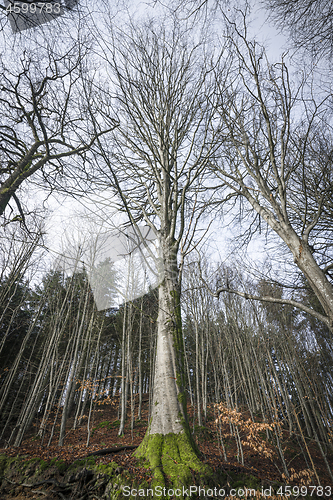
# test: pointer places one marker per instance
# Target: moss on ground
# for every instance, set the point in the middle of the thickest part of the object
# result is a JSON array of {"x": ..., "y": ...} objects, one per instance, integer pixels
[
  {"x": 88, "y": 462},
  {"x": 174, "y": 463},
  {"x": 107, "y": 469},
  {"x": 59, "y": 464}
]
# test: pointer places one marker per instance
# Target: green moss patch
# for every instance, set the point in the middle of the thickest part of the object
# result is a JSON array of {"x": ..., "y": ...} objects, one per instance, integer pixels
[
  {"x": 107, "y": 469},
  {"x": 172, "y": 460},
  {"x": 82, "y": 463},
  {"x": 59, "y": 464},
  {"x": 107, "y": 481}
]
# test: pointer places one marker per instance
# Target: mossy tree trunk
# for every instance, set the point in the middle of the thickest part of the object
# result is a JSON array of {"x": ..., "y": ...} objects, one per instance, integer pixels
[{"x": 168, "y": 445}]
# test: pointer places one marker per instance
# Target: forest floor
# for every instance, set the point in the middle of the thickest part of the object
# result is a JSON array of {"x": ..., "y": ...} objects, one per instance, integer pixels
[{"x": 104, "y": 426}]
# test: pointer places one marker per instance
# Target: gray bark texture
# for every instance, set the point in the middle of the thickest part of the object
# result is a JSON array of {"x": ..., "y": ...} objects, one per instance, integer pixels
[{"x": 167, "y": 408}]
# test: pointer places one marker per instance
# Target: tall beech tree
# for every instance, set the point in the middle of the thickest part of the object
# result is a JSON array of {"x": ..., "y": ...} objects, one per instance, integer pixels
[
  {"x": 156, "y": 164},
  {"x": 277, "y": 155}
]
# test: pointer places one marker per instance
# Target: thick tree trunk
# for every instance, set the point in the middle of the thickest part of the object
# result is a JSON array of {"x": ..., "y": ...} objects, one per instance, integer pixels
[
  {"x": 303, "y": 257},
  {"x": 168, "y": 445},
  {"x": 168, "y": 410},
  {"x": 305, "y": 261}
]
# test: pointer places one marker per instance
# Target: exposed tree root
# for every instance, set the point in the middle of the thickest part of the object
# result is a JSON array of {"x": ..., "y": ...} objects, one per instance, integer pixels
[
  {"x": 76, "y": 486},
  {"x": 107, "y": 451}
]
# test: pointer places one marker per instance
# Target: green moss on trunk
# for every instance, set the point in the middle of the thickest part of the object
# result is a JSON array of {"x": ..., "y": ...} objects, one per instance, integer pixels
[
  {"x": 178, "y": 345},
  {"x": 172, "y": 459}
]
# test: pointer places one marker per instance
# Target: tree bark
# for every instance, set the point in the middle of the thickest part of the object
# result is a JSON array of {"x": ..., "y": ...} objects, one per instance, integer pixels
[
  {"x": 168, "y": 392},
  {"x": 168, "y": 444},
  {"x": 305, "y": 261}
]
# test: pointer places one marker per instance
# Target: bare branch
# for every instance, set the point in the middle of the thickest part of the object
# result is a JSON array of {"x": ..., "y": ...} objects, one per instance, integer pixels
[{"x": 265, "y": 298}]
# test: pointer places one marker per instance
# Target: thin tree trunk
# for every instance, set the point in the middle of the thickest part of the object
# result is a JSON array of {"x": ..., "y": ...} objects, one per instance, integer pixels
[
  {"x": 197, "y": 376},
  {"x": 140, "y": 363},
  {"x": 122, "y": 399}
]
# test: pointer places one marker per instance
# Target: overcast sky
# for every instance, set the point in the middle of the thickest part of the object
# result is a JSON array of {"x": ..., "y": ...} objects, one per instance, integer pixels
[{"x": 65, "y": 222}]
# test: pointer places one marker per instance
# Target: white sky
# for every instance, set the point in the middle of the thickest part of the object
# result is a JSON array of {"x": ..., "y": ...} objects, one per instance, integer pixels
[
  {"x": 217, "y": 243},
  {"x": 66, "y": 223}
]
